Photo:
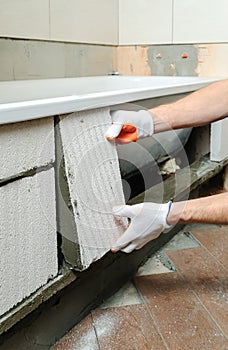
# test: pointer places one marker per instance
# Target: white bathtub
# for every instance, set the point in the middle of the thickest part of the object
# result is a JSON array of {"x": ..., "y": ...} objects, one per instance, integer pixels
[{"x": 31, "y": 99}]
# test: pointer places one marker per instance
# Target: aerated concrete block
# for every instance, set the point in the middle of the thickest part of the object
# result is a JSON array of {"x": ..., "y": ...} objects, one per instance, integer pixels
[
  {"x": 89, "y": 185},
  {"x": 28, "y": 243},
  {"x": 219, "y": 140},
  {"x": 25, "y": 146}
]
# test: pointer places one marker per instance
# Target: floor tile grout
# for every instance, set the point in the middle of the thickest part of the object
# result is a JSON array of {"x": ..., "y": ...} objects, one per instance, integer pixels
[
  {"x": 189, "y": 285},
  {"x": 95, "y": 331},
  {"x": 138, "y": 292},
  {"x": 214, "y": 257},
  {"x": 209, "y": 313},
  {"x": 153, "y": 318}
]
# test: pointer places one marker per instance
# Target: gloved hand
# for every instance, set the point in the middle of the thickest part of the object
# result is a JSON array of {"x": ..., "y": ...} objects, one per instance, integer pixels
[
  {"x": 128, "y": 126},
  {"x": 148, "y": 220}
]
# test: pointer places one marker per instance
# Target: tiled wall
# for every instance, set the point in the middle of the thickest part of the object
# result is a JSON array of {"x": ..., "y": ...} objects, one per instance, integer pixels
[
  {"x": 89, "y": 37},
  {"x": 203, "y": 21},
  {"x": 87, "y": 21},
  {"x": 123, "y": 22},
  {"x": 172, "y": 21},
  {"x": 145, "y": 22},
  {"x": 24, "y": 19}
]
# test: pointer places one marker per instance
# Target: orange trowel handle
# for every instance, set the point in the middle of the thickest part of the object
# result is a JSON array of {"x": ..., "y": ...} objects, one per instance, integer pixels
[{"x": 128, "y": 134}]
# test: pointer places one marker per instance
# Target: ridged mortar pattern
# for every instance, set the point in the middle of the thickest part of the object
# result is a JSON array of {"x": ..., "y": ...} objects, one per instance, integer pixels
[{"x": 93, "y": 176}]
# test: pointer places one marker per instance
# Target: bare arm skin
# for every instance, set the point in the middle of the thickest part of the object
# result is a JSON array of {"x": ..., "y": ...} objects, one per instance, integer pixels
[
  {"x": 210, "y": 210},
  {"x": 201, "y": 107}
]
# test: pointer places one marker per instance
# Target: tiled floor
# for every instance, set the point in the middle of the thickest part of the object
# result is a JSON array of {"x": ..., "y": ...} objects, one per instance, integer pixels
[{"x": 178, "y": 300}]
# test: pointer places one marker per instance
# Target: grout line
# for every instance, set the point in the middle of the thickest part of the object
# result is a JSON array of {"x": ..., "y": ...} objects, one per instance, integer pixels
[
  {"x": 153, "y": 318},
  {"x": 189, "y": 285},
  {"x": 212, "y": 256},
  {"x": 172, "y": 29},
  {"x": 95, "y": 331},
  {"x": 209, "y": 313},
  {"x": 195, "y": 294},
  {"x": 138, "y": 292},
  {"x": 28, "y": 173},
  {"x": 118, "y": 24},
  {"x": 49, "y": 19}
]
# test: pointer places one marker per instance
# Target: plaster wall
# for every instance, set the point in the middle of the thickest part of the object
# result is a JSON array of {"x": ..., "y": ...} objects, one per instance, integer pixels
[
  {"x": 28, "y": 244},
  {"x": 173, "y": 60},
  {"x": 212, "y": 60},
  {"x": 31, "y": 59}
]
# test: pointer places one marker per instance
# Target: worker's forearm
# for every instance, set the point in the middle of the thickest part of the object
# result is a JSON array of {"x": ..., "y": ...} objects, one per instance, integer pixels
[
  {"x": 211, "y": 210},
  {"x": 201, "y": 107}
]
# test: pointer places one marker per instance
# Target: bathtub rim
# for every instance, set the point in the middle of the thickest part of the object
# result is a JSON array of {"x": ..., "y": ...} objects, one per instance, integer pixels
[{"x": 13, "y": 112}]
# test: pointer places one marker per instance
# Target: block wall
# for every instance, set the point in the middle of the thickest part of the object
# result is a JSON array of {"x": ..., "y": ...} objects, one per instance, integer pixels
[
  {"x": 89, "y": 185},
  {"x": 28, "y": 241}
]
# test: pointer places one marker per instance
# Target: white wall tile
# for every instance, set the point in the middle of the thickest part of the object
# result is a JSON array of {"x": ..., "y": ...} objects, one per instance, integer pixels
[
  {"x": 145, "y": 22},
  {"x": 24, "y": 19},
  {"x": 201, "y": 21},
  {"x": 87, "y": 21}
]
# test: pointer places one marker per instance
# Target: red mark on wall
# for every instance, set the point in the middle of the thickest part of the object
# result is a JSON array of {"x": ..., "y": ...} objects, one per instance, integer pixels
[{"x": 184, "y": 55}]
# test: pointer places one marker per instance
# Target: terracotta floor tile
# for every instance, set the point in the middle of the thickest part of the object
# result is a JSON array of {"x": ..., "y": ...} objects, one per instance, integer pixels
[
  {"x": 181, "y": 318},
  {"x": 81, "y": 337},
  {"x": 207, "y": 278},
  {"x": 126, "y": 328},
  {"x": 216, "y": 241}
]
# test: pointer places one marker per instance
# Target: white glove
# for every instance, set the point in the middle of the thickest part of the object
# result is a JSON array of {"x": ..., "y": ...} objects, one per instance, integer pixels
[
  {"x": 141, "y": 120},
  {"x": 148, "y": 220}
]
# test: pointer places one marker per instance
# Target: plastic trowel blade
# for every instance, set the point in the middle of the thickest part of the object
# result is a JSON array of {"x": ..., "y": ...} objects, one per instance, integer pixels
[{"x": 128, "y": 134}]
